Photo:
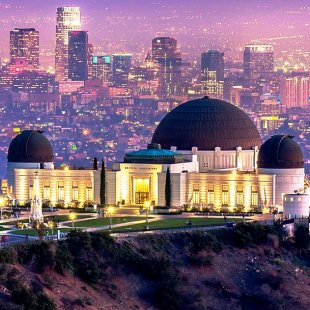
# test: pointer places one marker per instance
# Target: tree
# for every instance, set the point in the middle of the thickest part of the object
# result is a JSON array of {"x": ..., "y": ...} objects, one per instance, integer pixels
[
  {"x": 301, "y": 236},
  {"x": 168, "y": 188},
  {"x": 102, "y": 184},
  {"x": 95, "y": 164}
]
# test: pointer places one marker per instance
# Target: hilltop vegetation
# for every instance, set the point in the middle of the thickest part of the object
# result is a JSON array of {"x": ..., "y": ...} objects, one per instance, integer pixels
[{"x": 249, "y": 267}]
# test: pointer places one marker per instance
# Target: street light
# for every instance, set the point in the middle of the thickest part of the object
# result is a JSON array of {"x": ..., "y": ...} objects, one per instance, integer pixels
[
  {"x": 2, "y": 202},
  {"x": 110, "y": 210},
  {"x": 72, "y": 217},
  {"x": 147, "y": 205}
]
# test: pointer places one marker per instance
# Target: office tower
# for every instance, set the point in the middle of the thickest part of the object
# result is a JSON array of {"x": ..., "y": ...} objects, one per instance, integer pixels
[
  {"x": 24, "y": 44},
  {"x": 258, "y": 61},
  {"x": 78, "y": 56},
  {"x": 294, "y": 92},
  {"x": 102, "y": 68},
  {"x": 213, "y": 61},
  {"x": 90, "y": 53},
  {"x": 168, "y": 60},
  {"x": 212, "y": 73},
  {"x": 120, "y": 69},
  {"x": 68, "y": 19}
]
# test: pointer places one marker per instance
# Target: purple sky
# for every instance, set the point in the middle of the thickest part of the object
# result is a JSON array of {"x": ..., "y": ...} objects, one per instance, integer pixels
[{"x": 129, "y": 25}]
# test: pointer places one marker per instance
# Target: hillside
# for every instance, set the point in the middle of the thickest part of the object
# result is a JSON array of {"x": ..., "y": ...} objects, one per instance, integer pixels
[{"x": 244, "y": 268}]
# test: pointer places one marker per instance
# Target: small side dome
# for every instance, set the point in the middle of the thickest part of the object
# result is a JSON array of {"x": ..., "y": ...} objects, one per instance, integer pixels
[
  {"x": 280, "y": 152},
  {"x": 30, "y": 146}
]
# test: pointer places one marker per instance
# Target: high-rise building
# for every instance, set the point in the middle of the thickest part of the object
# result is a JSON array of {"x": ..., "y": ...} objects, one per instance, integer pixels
[
  {"x": 169, "y": 62},
  {"x": 213, "y": 61},
  {"x": 102, "y": 68},
  {"x": 212, "y": 73},
  {"x": 78, "y": 51},
  {"x": 68, "y": 19},
  {"x": 294, "y": 92},
  {"x": 24, "y": 44},
  {"x": 120, "y": 69},
  {"x": 258, "y": 61}
]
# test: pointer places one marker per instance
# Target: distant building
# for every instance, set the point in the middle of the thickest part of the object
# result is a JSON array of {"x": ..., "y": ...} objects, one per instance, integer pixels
[
  {"x": 78, "y": 56},
  {"x": 213, "y": 61},
  {"x": 24, "y": 44},
  {"x": 102, "y": 68},
  {"x": 294, "y": 92},
  {"x": 33, "y": 82},
  {"x": 68, "y": 19},
  {"x": 258, "y": 61},
  {"x": 169, "y": 63},
  {"x": 120, "y": 69}
]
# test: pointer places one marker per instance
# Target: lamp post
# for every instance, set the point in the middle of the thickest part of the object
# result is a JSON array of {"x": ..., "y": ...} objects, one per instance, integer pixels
[
  {"x": 147, "y": 208},
  {"x": 2, "y": 202},
  {"x": 110, "y": 210},
  {"x": 72, "y": 217}
]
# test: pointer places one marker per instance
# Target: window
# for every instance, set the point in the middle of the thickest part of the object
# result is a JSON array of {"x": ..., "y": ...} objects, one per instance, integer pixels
[
  {"x": 254, "y": 199},
  {"x": 196, "y": 196},
  {"x": 89, "y": 194},
  {"x": 239, "y": 195},
  {"x": 75, "y": 193},
  {"x": 46, "y": 193},
  {"x": 225, "y": 196},
  {"x": 211, "y": 197},
  {"x": 61, "y": 191}
]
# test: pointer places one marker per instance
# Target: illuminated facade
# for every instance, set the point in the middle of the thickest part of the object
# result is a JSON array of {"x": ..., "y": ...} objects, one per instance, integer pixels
[
  {"x": 78, "y": 56},
  {"x": 239, "y": 174},
  {"x": 24, "y": 44},
  {"x": 168, "y": 61},
  {"x": 68, "y": 19},
  {"x": 258, "y": 61}
]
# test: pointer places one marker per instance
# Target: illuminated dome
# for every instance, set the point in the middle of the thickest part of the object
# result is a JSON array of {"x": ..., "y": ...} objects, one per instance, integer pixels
[
  {"x": 280, "y": 152},
  {"x": 30, "y": 146},
  {"x": 207, "y": 123}
]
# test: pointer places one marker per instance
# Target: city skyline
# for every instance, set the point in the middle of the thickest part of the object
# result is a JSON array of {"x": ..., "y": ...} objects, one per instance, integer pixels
[{"x": 211, "y": 25}]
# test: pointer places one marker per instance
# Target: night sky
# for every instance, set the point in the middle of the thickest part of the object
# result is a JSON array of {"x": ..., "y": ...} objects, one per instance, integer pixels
[{"x": 129, "y": 25}]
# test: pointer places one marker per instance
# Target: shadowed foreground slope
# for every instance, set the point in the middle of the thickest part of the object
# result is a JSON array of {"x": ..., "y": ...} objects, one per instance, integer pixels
[{"x": 245, "y": 268}]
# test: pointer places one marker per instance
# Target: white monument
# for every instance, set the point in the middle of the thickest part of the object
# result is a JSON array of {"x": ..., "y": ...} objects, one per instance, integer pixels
[{"x": 36, "y": 214}]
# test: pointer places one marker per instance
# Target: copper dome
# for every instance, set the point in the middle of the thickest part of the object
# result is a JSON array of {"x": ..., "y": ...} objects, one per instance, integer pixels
[{"x": 207, "y": 123}]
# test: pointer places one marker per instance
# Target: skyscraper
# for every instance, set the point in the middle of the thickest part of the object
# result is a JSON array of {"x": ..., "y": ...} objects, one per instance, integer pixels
[
  {"x": 294, "y": 92},
  {"x": 78, "y": 51},
  {"x": 68, "y": 19},
  {"x": 258, "y": 61},
  {"x": 213, "y": 61},
  {"x": 24, "y": 44},
  {"x": 102, "y": 68},
  {"x": 212, "y": 73},
  {"x": 168, "y": 60},
  {"x": 120, "y": 69}
]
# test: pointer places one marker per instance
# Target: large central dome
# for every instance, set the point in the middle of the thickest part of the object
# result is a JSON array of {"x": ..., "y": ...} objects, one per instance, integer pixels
[{"x": 207, "y": 123}]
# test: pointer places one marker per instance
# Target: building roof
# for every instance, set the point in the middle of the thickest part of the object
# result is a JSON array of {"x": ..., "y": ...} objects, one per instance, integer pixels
[
  {"x": 207, "y": 123},
  {"x": 153, "y": 154},
  {"x": 30, "y": 146},
  {"x": 280, "y": 152}
]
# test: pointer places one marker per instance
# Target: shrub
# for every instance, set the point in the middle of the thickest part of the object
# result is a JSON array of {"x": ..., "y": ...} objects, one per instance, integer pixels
[
  {"x": 63, "y": 259},
  {"x": 201, "y": 260},
  {"x": 43, "y": 255},
  {"x": 301, "y": 236},
  {"x": 247, "y": 233}
]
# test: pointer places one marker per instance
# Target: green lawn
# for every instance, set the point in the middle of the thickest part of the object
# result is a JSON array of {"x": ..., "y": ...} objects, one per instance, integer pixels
[
  {"x": 32, "y": 232},
  {"x": 106, "y": 221},
  {"x": 174, "y": 223},
  {"x": 62, "y": 218}
]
